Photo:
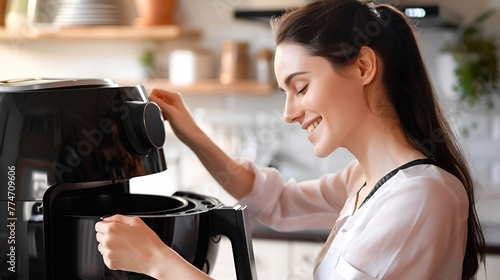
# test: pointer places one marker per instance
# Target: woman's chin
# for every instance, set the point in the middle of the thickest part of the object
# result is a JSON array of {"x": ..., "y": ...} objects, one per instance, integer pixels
[{"x": 321, "y": 153}]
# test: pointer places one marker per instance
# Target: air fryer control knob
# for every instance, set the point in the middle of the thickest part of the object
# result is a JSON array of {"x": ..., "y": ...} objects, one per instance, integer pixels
[{"x": 144, "y": 126}]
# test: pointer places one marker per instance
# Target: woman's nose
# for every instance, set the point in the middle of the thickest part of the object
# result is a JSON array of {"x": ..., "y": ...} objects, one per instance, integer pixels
[{"x": 292, "y": 110}]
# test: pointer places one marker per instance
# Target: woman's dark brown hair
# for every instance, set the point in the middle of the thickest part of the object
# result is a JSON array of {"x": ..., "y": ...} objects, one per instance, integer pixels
[{"x": 336, "y": 30}]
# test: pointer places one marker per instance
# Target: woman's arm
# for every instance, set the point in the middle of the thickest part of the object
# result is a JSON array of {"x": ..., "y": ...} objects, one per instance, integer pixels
[
  {"x": 235, "y": 179},
  {"x": 126, "y": 243}
]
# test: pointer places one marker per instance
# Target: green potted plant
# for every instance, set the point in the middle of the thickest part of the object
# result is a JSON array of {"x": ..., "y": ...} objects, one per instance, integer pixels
[
  {"x": 476, "y": 69},
  {"x": 148, "y": 61},
  {"x": 476, "y": 60}
]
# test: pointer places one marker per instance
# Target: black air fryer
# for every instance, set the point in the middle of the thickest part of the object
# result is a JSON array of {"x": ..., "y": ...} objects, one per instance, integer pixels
[{"x": 68, "y": 149}]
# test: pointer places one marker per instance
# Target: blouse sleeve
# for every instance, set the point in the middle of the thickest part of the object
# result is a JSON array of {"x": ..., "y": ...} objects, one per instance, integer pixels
[
  {"x": 292, "y": 206},
  {"x": 418, "y": 230}
]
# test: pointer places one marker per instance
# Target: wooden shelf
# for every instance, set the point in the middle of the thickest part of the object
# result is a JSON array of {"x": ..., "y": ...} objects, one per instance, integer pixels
[
  {"x": 155, "y": 33},
  {"x": 3, "y": 34},
  {"x": 212, "y": 87}
]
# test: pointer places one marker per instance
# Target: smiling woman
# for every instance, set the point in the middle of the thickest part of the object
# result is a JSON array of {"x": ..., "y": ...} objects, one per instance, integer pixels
[{"x": 353, "y": 77}]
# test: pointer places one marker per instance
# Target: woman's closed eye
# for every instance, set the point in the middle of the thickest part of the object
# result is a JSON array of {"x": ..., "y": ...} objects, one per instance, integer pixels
[{"x": 303, "y": 90}]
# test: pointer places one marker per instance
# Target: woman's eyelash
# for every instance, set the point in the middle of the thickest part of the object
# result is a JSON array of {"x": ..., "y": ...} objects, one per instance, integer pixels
[{"x": 302, "y": 90}]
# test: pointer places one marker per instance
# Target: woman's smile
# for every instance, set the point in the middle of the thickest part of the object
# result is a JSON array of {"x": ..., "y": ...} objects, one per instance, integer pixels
[{"x": 313, "y": 125}]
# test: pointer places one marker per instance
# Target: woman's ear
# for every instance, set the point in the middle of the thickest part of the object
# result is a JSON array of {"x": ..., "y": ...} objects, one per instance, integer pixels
[{"x": 367, "y": 65}]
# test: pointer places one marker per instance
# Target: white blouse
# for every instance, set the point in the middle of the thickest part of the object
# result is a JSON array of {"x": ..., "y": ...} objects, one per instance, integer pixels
[{"x": 413, "y": 227}]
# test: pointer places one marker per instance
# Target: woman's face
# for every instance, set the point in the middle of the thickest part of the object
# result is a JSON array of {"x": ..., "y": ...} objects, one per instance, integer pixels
[{"x": 329, "y": 106}]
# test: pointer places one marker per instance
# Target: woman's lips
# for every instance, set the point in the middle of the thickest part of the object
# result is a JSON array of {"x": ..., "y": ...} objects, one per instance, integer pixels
[{"x": 313, "y": 125}]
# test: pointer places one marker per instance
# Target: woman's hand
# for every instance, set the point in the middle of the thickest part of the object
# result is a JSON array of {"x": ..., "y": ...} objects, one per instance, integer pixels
[
  {"x": 127, "y": 243},
  {"x": 175, "y": 110}
]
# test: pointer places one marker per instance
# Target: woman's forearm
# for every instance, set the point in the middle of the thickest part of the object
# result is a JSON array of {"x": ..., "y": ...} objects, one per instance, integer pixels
[
  {"x": 233, "y": 177},
  {"x": 168, "y": 265}
]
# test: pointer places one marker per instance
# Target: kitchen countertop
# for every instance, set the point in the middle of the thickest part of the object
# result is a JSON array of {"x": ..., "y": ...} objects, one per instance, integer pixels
[
  {"x": 263, "y": 232},
  {"x": 492, "y": 238},
  {"x": 491, "y": 235}
]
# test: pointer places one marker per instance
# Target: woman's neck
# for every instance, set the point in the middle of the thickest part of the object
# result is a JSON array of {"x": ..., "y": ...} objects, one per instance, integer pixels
[{"x": 380, "y": 146}]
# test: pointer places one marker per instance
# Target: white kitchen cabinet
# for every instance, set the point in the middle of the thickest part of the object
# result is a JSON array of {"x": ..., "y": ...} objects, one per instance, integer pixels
[
  {"x": 271, "y": 258},
  {"x": 302, "y": 259},
  {"x": 274, "y": 260},
  {"x": 224, "y": 264}
]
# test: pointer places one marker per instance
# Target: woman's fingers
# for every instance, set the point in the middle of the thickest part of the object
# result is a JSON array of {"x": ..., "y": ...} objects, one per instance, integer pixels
[
  {"x": 168, "y": 97},
  {"x": 123, "y": 220},
  {"x": 176, "y": 112},
  {"x": 169, "y": 102},
  {"x": 126, "y": 243}
]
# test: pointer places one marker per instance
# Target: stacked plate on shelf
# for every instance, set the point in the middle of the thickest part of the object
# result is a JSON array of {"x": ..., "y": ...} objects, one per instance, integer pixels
[{"x": 91, "y": 12}]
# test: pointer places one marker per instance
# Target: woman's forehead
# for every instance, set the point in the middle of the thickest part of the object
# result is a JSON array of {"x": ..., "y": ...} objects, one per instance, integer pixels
[
  {"x": 294, "y": 57},
  {"x": 290, "y": 56},
  {"x": 289, "y": 48}
]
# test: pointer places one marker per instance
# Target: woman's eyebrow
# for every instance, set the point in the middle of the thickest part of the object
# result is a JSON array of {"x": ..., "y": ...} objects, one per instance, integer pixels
[{"x": 288, "y": 79}]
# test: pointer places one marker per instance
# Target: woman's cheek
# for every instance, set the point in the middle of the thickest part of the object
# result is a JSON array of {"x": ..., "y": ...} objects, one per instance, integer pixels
[{"x": 310, "y": 101}]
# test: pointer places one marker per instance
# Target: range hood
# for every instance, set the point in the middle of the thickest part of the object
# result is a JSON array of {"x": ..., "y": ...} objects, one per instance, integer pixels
[
  {"x": 423, "y": 16},
  {"x": 263, "y": 10},
  {"x": 432, "y": 16}
]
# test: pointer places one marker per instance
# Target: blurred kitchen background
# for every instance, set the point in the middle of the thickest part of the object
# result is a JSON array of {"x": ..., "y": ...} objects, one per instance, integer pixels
[{"x": 218, "y": 53}]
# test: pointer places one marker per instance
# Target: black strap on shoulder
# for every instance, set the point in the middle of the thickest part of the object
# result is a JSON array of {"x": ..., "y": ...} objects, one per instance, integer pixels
[{"x": 392, "y": 173}]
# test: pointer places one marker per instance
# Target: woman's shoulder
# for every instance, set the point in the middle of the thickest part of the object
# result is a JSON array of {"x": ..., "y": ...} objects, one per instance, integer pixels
[
  {"x": 428, "y": 185},
  {"x": 429, "y": 178}
]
